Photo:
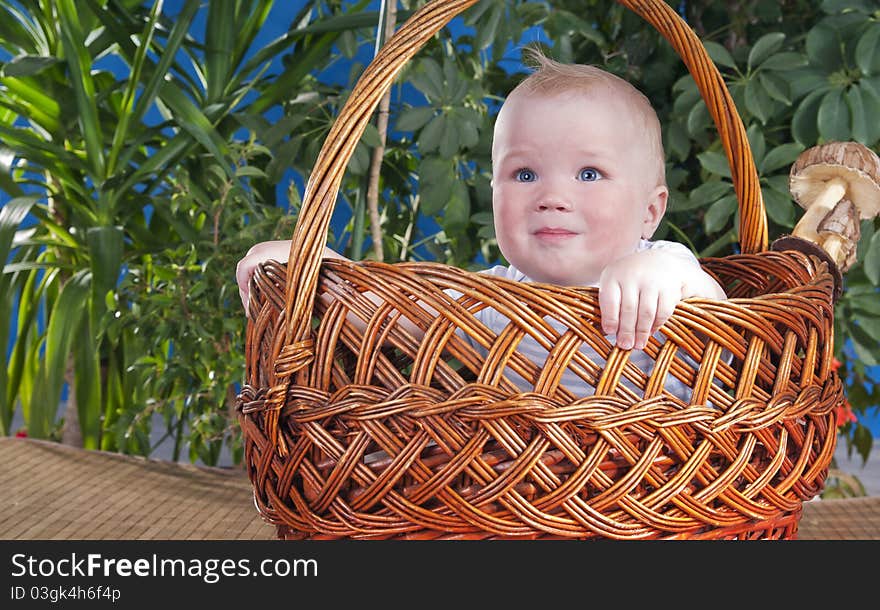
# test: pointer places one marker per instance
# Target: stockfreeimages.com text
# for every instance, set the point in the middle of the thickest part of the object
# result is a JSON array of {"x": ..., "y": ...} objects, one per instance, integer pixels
[{"x": 209, "y": 570}]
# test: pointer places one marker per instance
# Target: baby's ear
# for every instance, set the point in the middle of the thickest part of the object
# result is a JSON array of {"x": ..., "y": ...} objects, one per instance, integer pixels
[{"x": 654, "y": 210}]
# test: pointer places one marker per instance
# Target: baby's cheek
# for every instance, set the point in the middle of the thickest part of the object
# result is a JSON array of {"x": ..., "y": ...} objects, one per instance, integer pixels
[
  {"x": 615, "y": 240},
  {"x": 506, "y": 222},
  {"x": 607, "y": 231}
]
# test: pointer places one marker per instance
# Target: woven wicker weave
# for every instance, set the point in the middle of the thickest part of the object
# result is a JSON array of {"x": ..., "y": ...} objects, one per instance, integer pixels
[{"x": 362, "y": 431}]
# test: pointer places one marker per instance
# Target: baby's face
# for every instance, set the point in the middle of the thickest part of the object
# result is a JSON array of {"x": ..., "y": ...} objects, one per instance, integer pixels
[{"x": 574, "y": 185}]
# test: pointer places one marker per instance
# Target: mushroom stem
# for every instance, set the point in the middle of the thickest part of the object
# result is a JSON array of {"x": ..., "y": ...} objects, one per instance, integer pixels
[
  {"x": 806, "y": 227},
  {"x": 839, "y": 234},
  {"x": 838, "y": 249}
]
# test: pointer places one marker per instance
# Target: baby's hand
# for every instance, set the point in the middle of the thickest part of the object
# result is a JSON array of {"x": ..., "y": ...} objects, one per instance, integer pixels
[
  {"x": 266, "y": 250},
  {"x": 639, "y": 292},
  {"x": 260, "y": 253}
]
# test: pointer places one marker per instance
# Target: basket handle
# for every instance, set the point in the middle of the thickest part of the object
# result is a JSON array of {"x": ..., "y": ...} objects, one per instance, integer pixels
[{"x": 322, "y": 187}]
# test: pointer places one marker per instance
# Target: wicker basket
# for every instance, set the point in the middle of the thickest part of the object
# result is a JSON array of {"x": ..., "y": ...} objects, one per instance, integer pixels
[{"x": 369, "y": 433}]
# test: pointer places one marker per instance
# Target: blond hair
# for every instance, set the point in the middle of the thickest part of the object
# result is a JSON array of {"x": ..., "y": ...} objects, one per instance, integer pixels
[{"x": 550, "y": 77}]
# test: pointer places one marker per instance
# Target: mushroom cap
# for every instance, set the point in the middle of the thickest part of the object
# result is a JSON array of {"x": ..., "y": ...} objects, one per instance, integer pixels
[{"x": 856, "y": 164}]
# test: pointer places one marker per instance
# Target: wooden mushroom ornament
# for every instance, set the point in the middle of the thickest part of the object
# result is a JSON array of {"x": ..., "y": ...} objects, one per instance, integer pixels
[{"x": 838, "y": 185}]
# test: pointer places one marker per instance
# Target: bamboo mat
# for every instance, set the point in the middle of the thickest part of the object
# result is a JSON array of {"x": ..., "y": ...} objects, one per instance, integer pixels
[{"x": 56, "y": 492}]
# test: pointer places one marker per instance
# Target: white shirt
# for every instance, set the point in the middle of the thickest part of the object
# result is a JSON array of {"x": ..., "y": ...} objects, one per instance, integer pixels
[{"x": 577, "y": 385}]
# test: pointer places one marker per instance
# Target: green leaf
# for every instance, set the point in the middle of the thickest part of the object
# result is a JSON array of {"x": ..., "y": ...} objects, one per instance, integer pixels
[
  {"x": 431, "y": 134},
  {"x": 780, "y": 156},
  {"x": 469, "y": 128},
  {"x": 26, "y": 96},
  {"x": 776, "y": 87},
  {"x": 715, "y": 162},
  {"x": 189, "y": 117},
  {"x": 128, "y": 113},
  {"x": 864, "y": 346},
  {"x": 764, "y": 47},
  {"x": 436, "y": 183},
  {"x": 807, "y": 81},
  {"x": 429, "y": 79},
  {"x": 359, "y": 163},
  {"x": 780, "y": 208},
  {"x": 249, "y": 28},
  {"x": 872, "y": 259},
  {"x": 371, "y": 137},
  {"x": 719, "y": 54},
  {"x": 719, "y": 213},
  {"x": 758, "y": 101},
  {"x": 859, "y": 121},
  {"x": 866, "y": 304},
  {"x": 458, "y": 89},
  {"x": 868, "y": 50},
  {"x": 80, "y": 65},
  {"x": 449, "y": 142},
  {"x": 832, "y": 7},
  {"x": 804, "y": 124},
  {"x": 155, "y": 75},
  {"x": 707, "y": 193},
  {"x": 823, "y": 47},
  {"x": 27, "y": 65},
  {"x": 219, "y": 46},
  {"x": 12, "y": 214},
  {"x": 784, "y": 62},
  {"x": 250, "y": 171},
  {"x": 677, "y": 140},
  {"x": 19, "y": 385},
  {"x": 457, "y": 211},
  {"x": 473, "y": 16},
  {"x": 779, "y": 183},
  {"x": 698, "y": 119},
  {"x": 305, "y": 62},
  {"x": 106, "y": 246},
  {"x": 15, "y": 30},
  {"x": 488, "y": 30},
  {"x": 687, "y": 98},
  {"x": 414, "y": 118},
  {"x": 483, "y": 218},
  {"x": 757, "y": 142},
  {"x": 833, "y": 117},
  {"x": 348, "y": 44},
  {"x": 86, "y": 352},
  {"x": 870, "y": 325},
  {"x": 115, "y": 399},
  {"x": 64, "y": 320},
  {"x": 870, "y": 108}
]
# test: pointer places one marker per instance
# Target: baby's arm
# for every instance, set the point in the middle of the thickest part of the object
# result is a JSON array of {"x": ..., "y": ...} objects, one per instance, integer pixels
[
  {"x": 638, "y": 293},
  {"x": 260, "y": 253},
  {"x": 280, "y": 251}
]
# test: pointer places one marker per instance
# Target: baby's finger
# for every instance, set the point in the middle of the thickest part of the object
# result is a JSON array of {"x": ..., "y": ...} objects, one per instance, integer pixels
[
  {"x": 609, "y": 306},
  {"x": 647, "y": 311},
  {"x": 629, "y": 311},
  {"x": 243, "y": 273},
  {"x": 666, "y": 302}
]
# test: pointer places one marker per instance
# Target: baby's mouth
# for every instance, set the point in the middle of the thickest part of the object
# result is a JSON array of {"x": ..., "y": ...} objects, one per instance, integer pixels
[{"x": 554, "y": 233}]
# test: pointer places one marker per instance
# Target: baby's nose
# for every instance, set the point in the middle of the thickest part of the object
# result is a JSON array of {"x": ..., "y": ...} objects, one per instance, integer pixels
[{"x": 553, "y": 204}]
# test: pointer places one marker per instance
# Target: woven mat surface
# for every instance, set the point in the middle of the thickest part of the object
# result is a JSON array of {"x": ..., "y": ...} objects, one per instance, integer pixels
[{"x": 56, "y": 492}]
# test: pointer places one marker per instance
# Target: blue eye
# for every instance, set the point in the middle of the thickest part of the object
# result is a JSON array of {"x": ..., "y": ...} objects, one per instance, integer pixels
[
  {"x": 589, "y": 174},
  {"x": 526, "y": 175}
]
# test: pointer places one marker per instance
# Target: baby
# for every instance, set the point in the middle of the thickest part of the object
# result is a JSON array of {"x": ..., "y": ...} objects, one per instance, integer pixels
[{"x": 578, "y": 189}]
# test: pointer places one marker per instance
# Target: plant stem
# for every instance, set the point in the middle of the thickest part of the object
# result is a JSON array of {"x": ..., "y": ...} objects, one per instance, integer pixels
[
  {"x": 384, "y": 32},
  {"x": 407, "y": 236}
]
